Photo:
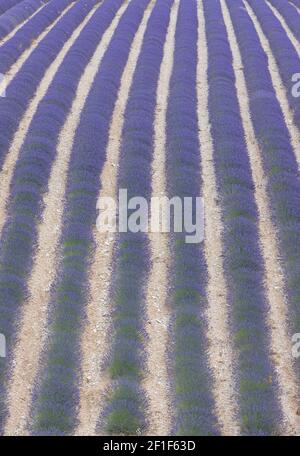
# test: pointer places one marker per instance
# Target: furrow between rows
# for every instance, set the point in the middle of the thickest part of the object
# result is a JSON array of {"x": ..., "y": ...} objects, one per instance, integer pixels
[
  {"x": 95, "y": 339},
  {"x": 56, "y": 400},
  {"x": 5, "y": 35},
  {"x": 7, "y": 4},
  {"x": 17, "y": 140},
  {"x": 288, "y": 19},
  {"x": 29, "y": 176},
  {"x": 221, "y": 359},
  {"x": 295, "y": 4},
  {"x": 156, "y": 383},
  {"x": 274, "y": 281},
  {"x": 281, "y": 180},
  {"x": 255, "y": 393},
  {"x": 189, "y": 369},
  {"x": 126, "y": 408},
  {"x": 12, "y": 62},
  {"x": 39, "y": 284},
  {"x": 277, "y": 84}
]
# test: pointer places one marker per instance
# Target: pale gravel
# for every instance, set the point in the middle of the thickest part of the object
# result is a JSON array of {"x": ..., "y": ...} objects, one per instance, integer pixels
[
  {"x": 34, "y": 312},
  {"x": 285, "y": 27},
  {"x": 16, "y": 29},
  {"x": 12, "y": 156},
  {"x": 96, "y": 335},
  {"x": 281, "y": 345},
  {"x": 16, "y": 67},
  {"x": 296, "y": 7},
  {"x": 156, "y": 383},
  {"x": 220, "y": 348},
  {"x": 277, "y": 84}
]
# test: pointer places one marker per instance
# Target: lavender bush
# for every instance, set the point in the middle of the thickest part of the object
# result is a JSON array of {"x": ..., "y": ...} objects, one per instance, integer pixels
[
  {"x": 22, "y": 40},
  {"x": 19, "y": 13},
  {"x": 283, "y": 50},
  {"x": 56, "y": 397},
  {"x": 279, "y": 161},
  {"x": 7, "y": 4},
  {"x": 189, "y": 369},
  {"x": 295, "y": 2},
  {"x": 289, "y": 14},
  {"x": 126, "y": 409},
  {"x": 258, "y": 410},
  {"x": 23, "y": 87},
  {"x": 32, "y": 171}
]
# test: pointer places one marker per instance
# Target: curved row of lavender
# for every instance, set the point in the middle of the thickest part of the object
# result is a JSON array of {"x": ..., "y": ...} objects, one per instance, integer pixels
[
  {"x": 56, "y": 397},
  {"x": 31, "y": 175},
  {"x": 19, "y": 13},
  {"x": 7, "y": 4},
  {"x": 189, "y": 372},
  {"x": 25, "y": 83},
  {"x": 243, "y": 263},
  {"x": 290, "y": 15},
  {"x": 125, "y": 411},
  {"x": 281, "y": 165},
  {"x": 295, "y": 2},
  {"x": 285, "y": 54},
  {"x": 22, "y": 40}
]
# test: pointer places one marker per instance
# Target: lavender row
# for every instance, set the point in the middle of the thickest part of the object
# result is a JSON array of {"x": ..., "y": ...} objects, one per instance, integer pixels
[
  {"x": 290, "y": 15},
  {"x": 126, "y": 408},
  {"x": 7, "y": 4},
  {"x": 191, "y": 376},
  {"x": 22, "y": 40},
  {"x": 31, "y": 175},
  {"x": 296, "y": 2},
  {"x": 18, "y": 14},
  {"x": 283, "y": 50},
  {"x": 243, "y": 263},
  {"x": 280, "y": 163},
  {"x": 57, "y": 392},
  {"x": 24, "y": 85}
]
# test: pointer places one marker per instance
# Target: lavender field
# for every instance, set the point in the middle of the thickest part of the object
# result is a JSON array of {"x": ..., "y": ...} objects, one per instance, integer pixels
[{"x": 141, "y": 332}]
